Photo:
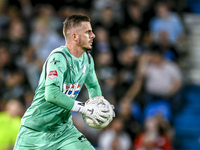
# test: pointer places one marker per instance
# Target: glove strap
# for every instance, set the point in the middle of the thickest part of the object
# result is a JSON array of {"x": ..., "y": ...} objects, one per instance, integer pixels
[{"x": 78, "y": 107}]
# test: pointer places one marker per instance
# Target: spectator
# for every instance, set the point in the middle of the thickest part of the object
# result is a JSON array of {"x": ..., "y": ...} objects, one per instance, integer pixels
[
  {"x": 114, "y": 138},
  {"x": 163, "y": 77},
  {"x": 135, "y": 17},
  {"x": 4, "y": 19},
  {"x": 130, "y": 37},
  {"x": 26, "y": 9},
  {"x": 44, "y": 39},
  {"x": 162, "y": 82},
  {"x": 102, "y": 41},
  {"x": 108, "y": 21},
  {"x": 16, "y": 40},
  {"x": 166, "y": 22},
  {"x": 15, "y": 85},
  {"x": 47, "y": 12},
  {"x": 99, "y": 6},
  {"x": 131, "y": 119},
  {"x": 6, "y": 66},
  {"x": 10, "y": 123},
  {"x": 107, "y": 74},
  {"x": 155, "y": 135},
  {"x": 169, "y": 51},
  {"x": 32, "y": 66},
  {"x": 127, "y": 72}
]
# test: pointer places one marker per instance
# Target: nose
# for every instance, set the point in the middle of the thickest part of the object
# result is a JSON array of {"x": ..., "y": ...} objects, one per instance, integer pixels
[{"x": 93, "y": 35}]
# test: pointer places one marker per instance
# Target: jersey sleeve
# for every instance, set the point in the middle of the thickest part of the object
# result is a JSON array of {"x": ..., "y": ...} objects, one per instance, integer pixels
[
  {"x": 92, "y": 83},
  {"x": 55, "y": 69}
]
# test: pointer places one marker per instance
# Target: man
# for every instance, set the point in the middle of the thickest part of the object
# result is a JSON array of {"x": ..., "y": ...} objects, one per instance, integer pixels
[
  {"x": 47, "y": 124},
  {"x": 162, "y": 80},
  {"x": 166, "y": 24}
]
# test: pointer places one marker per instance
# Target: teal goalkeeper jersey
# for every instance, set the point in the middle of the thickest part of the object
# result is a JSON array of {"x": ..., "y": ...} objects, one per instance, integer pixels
[{"x": 69, "y": 74}]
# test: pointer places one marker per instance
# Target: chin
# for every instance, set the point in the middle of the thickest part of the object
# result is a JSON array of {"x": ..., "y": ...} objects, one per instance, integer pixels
[{"x": 87, "y": 49}]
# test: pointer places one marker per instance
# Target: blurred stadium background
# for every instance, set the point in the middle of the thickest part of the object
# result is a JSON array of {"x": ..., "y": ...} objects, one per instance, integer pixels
[{"x": 157, "y": 108}]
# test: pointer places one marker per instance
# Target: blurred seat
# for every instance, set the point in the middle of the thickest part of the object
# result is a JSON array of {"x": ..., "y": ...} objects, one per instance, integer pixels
[
  {"x": 159, "y": 107},
  {"x": 187, "y": 122}
]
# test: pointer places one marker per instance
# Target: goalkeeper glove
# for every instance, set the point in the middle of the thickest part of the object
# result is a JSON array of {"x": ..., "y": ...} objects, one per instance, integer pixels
[
  {"x": 91, "y": 110},
  {"x": 102, "y": 99}
]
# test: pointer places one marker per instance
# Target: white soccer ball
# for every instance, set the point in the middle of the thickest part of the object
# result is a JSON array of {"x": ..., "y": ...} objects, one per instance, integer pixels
[{"x": 92, "y": 123}]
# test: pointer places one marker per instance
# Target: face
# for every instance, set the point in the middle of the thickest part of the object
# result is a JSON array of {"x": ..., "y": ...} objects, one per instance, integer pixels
[
  {"x": 86, "y": 36},
  {"x": 162, "y": 10},
  {"x": 156, "y": 59}
]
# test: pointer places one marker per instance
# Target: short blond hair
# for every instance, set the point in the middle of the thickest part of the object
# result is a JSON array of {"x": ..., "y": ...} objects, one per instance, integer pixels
[{"x": 72, "y": 22}]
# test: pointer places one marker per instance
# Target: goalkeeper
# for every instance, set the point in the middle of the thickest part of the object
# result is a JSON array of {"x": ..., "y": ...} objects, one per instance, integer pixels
[{"x": 47, "y": 123}]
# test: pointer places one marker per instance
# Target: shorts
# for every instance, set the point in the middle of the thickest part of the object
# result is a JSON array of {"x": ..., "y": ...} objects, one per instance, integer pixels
[{"x": 64, "y": 139}]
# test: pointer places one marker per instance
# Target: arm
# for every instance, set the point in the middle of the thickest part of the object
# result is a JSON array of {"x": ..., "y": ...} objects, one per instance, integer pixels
[
  {"x": 56, "y": 68},
  {"x": 55, "y": 96},
  {"x": 92, "y": 83},
  {"x": 135, "y": 87},
  {"x": 176, "y": 80},
  {"x": 174, "y": 87},
  {"x": 137, "y": 84}
]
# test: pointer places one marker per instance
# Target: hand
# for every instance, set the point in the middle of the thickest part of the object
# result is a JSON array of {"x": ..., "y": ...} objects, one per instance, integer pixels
[
  {"x": 97, "y": 111},
  {"x": 99, "y": 99},
  {"x": 93, "y": 109},
  {"x": 111, "y": 113}
]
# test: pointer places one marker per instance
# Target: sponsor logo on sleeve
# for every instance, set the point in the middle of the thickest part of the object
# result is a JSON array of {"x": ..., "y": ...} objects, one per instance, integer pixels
[{"x": 52, "y": 74}]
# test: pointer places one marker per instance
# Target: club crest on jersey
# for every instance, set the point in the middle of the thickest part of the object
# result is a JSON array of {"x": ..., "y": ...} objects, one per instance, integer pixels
[
  {"x": 71, "y": 90},
  {"x": 83, "y": 68},
  {"x": 52, "y": 74}
]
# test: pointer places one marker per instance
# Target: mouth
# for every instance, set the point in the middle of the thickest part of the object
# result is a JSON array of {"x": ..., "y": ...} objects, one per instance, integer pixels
[{"x": 91, "y": 42}]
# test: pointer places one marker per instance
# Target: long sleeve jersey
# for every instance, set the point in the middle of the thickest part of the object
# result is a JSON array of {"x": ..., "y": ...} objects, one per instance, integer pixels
[{"x": 61, "y": 80}]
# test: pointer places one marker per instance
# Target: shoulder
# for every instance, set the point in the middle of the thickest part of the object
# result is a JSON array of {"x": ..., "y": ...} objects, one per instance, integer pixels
[
  {"x": 60, "y": 51},
  {"x": 88, "y": 54},
  {"x": 89, "y": 57},
  {"x": 174, "y": 16},
  {"x": 171, "y": 65},
  {"x": 154, "y": 20},
  {"x": 58, "y": 55}
]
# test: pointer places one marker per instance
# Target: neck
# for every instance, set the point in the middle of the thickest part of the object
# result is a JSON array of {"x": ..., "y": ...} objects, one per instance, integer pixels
[{"x": 75, "y": 51}]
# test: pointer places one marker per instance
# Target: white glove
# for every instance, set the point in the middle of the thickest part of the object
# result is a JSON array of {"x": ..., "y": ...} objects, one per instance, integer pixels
[
  {"x": 90, "y": 109},
  {"x": 100, "y": 99},
  {"x": 108, "y": 105}
]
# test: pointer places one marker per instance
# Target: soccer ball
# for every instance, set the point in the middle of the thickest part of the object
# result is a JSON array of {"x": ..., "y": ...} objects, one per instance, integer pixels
[{"x": 92, "y": 123}]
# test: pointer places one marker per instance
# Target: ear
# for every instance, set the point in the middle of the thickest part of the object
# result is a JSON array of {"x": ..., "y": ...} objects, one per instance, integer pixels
[{"x": 74, "y": 37}]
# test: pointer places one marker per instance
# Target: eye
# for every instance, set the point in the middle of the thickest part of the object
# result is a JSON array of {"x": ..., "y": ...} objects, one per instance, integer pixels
[{"x": 89, "y": 31}]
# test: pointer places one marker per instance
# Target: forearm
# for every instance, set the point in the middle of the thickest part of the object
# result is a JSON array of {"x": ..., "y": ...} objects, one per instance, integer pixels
[
  {"x": 137, "y": 84},
  {"x": 55, "y": 96},
  {"x": 92, "y": 83},
  {"x": 134, "y": 89},
  {"x": 94, "y": 90},
  {"x": 174, "y": 88}
]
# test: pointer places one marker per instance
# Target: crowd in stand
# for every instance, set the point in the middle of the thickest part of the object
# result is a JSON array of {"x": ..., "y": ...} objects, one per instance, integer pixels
[{"x": 136, "y": 52}]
